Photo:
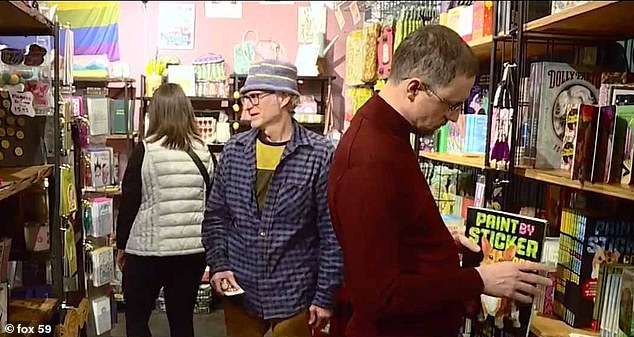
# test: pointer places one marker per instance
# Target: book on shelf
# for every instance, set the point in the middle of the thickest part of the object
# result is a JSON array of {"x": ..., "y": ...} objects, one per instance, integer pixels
[
  {"x": 626, "y": 303},
  {"x": 624, "y": 132},
  {"x": 102, "y": 263},
  {"x": 554, "y": 85},
  {"x": 589, "y": 240},
  {"x": 98, "y": 217},
  {"x": 98, "y": 115},
  {"x": 101, "y": 314},
  {"x": 503, "y": 236},
  {"x": 609, "y": 301},
  {"x": 578, "y": 143},
  {"x": 100, "y": 167}
]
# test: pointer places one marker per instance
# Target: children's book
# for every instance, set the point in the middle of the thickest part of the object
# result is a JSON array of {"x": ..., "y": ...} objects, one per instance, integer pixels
[{"x": 503, "y": 237}]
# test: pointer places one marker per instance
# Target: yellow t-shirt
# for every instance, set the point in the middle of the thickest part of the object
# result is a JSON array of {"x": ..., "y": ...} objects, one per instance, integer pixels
[{"x": 267, "y": 157}]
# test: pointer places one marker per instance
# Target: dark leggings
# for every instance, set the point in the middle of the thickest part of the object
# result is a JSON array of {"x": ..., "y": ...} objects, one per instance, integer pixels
[{"x": 143, "y": 277}]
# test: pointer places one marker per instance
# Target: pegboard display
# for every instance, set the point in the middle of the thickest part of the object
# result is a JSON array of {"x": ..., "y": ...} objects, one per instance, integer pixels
[{"x": 21, "y": 141}]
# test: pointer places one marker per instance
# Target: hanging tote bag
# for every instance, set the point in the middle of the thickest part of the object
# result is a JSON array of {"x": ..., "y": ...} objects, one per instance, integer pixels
[
  {"x": 270, "y": 50},
  {"x": 244, "y": 53}
]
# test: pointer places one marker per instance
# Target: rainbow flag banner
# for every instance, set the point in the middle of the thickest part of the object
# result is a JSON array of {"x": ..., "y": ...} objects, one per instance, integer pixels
[{"x": 95, "y": 25}]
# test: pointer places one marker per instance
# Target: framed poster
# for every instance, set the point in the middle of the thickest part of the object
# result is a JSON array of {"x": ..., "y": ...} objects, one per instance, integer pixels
[{"x": 176, "y": 25}]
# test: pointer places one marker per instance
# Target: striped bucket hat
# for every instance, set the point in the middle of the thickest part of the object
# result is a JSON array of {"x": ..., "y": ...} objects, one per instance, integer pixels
[{"x": 272, "y": 75}]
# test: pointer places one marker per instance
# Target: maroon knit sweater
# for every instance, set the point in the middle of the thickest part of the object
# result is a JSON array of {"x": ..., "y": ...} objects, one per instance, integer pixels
[{"x": 401, "y": 264}]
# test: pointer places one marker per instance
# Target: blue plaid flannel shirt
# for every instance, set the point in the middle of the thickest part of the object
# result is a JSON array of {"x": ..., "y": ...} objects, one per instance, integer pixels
[{"x": 287, "y": 256}]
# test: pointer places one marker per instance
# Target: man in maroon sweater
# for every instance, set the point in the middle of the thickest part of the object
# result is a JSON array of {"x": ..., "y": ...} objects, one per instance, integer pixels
[{"x": 401, "y": 263}]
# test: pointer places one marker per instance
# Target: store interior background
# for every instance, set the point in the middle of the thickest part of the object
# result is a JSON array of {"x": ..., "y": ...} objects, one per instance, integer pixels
[{"x": 138, "y": 27}]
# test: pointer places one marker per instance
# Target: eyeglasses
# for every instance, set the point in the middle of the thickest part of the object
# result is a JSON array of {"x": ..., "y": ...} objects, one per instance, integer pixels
[
  {"x": 254, "y": 99},
  {"x": 451, "y": 106},
  {"x": 13, "y": 56}
]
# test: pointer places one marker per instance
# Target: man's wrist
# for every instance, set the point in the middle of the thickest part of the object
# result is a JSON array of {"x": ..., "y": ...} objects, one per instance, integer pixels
[{"x": 322, "y": 303}]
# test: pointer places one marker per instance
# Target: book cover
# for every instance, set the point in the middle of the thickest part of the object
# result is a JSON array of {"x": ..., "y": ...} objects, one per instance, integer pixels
[
  {"x": 118, "y": 121},
  {"x": 603, "y": 142},
  {"x": 101, "y": 220},
  {"x": 625, "y": 115},
  {"x": 98, "y": 115},
  {"x": 584, "y": 142},
  {"x": 101, "y": 314},
  {"x": 503, "y": 237},
  {"x": 100, "y": 167},
  {"x": 589, "y": 240},
  {"x": 102, "y": 266},
  {"x": 626, "y": 305},
  {"x": 570, "y": 135},
  {"x": 561, "y": 84}
]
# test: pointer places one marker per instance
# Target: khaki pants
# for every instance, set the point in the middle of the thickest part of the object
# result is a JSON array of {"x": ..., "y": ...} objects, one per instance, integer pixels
[{"x": 240, "y": 323}]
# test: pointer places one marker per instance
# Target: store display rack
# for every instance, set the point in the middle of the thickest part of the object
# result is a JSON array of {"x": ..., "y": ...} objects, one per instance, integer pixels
[
  {"x": 596, "y": 20},
  {"x": 19, "y": 19},
  {"x": 592, "y": 22}
]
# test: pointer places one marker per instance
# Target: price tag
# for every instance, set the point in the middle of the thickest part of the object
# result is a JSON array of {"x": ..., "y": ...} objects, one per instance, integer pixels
[
  {"x": 22, "y": 103},
  {"x": 224, "y": 103}
]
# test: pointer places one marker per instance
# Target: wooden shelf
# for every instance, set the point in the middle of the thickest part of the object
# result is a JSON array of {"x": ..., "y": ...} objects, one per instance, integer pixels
[
  {"x": 549, "y": 327},
  {"x": 35, "y": 311},
  {"x": 18, "y": 19},
  {"x": 83, "y": 82},
  {"x": 17, "y": 179},
  {"x": 122, "y": 137},
  {"x": 610, "y": 19},
  {"x": 108, "y": 191},
  {"x": 469, "y": 160},
  {"x": 556, "y": 177},
  {"x": 482, "y": 47}
]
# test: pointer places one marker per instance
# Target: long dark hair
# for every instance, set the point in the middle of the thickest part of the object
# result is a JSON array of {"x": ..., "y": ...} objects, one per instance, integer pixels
[{"x": 172, "y": 117}]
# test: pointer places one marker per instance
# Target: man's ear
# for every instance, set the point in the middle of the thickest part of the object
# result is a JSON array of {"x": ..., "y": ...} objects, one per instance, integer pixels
[
  {"x": 284, "y": 100},
  {"x": 412, "y": 85}
]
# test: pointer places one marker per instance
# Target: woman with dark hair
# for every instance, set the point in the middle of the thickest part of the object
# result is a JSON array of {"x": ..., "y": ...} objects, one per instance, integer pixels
[{"x": 159, "y": 223}]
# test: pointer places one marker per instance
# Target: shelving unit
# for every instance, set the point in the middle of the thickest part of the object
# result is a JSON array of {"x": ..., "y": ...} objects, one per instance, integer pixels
[
  {"x": 19, "y": 19},
  {"x": 475, "y": 161},
  {"x": 593, "y": 21},
  {"x": 551, "y": 327},
  {"x": 596, "y": 19},
  {"x": 18, "y": 179},
  {"x": 556, "y": 177}
]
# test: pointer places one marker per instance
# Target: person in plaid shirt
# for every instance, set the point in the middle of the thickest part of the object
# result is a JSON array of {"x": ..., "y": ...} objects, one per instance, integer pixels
[{"x": 267, "y": 231}]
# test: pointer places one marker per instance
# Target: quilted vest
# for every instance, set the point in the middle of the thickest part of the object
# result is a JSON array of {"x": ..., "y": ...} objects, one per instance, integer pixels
[{"x": 172, "y": 203}]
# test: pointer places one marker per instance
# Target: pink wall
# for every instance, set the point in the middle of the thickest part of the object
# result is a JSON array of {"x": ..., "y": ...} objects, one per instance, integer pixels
[{"x": 138, "y": 30}]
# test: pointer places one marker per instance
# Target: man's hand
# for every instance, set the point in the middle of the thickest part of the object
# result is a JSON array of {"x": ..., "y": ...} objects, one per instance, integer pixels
[
  {"x": 513, "y": 280},
  {"x": 318, "y": 317},
  {"x": 462, "y": 240},
  {"x": 216, "y": 281},
  {"x": 120, "y": 259}
]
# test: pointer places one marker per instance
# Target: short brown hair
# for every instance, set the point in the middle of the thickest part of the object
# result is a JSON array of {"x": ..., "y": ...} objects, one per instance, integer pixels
[
  {"x": 172, "y": 117},
  {"x": 436, "y": 53}
]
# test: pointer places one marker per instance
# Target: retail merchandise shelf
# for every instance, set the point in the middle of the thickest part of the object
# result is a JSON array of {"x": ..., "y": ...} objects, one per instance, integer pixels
[
  {"x": 469, "y": 160},
  {"x": 108, "y": 191},
  {"x": 557, "y": 178},
  {"x": 550, "y": 327},
  {"x": 122, "y": 136},
  {"x": 35, "y": 311},
  {"x": 100, "y": 82},
  {"x": 17, "y": 179},
  {"x": 482, "y": 47},
  {"x": 609, "y": 19},
  {"x": 19, "y": 19}
]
